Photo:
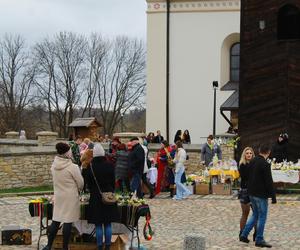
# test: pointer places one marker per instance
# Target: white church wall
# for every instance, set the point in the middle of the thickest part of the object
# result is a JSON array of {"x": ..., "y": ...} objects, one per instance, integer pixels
[
  {"x": 156, "y": 73},
  {"x": 195, "y": 53},
  {"x": 199, "y": 32}
]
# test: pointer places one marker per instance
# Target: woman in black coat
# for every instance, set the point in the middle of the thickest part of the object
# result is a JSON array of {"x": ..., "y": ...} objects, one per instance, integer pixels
[
  {"x": 244, "y": 170},
  {"x": 98, "y": 213}
]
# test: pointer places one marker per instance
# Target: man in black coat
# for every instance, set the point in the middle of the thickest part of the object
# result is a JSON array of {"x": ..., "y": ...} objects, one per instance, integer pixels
[
  {"x": 158, "y": 138},
  {"x": 136, "y": 160},
  {"x": 280, "y": 148},
  {"x": 260, "y": 188}
]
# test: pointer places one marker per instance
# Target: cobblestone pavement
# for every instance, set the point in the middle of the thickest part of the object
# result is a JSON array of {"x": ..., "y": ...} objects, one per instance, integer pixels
[{"x": 215, "y": 217}]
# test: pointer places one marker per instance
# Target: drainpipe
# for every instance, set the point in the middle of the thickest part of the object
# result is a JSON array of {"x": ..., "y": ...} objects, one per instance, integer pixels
[
  {"x": 225, "y": 117},
  {"x": 168, "y": 71}
]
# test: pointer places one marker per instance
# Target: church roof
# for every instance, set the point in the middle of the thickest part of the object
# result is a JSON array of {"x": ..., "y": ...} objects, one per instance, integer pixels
[
  {"x": 230, "y": 86},
  {"x": 232, "y": 103}
]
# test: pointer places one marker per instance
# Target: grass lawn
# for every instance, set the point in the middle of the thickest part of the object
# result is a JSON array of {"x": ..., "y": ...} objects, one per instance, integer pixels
[{"x": 27, "y": 189}]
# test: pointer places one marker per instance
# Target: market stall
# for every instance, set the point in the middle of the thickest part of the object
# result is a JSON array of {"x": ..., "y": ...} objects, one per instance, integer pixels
[
  {"x": 130, "y": 210},
  {"x": 286, "y": 172}
]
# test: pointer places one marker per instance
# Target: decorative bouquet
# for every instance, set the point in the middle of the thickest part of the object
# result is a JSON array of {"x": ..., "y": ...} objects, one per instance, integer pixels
[
  {"x": 199, "y": 178},
  {"x": 126, "y": 199},
  {"x": 285, "y": 166}
]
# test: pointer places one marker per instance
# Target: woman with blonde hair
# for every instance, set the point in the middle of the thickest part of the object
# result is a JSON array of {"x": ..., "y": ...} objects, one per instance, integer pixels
[{"x": 244, "y": 167}]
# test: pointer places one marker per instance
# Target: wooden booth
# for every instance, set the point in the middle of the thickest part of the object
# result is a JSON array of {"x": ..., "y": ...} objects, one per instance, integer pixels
[
  {"x": 269, "y": 101},
  {"x": 86, "y": 128}
]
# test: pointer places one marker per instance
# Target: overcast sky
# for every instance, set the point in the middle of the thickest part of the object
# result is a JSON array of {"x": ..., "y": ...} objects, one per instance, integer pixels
[{"x": 35, "y": 19}]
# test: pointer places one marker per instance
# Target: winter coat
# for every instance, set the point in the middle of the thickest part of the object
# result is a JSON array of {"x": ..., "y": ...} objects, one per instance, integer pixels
[
  {"x": 67, "y": 181},
  {"x": 98, "y": 212},
  {"x": 86, "y": 158},
  {"x": 207, "y": 153},
  {"x": 136, "y": 159},
  {"x": 260, "y": 181},
  {"x": 122, "y": 169},
  {"x": 244, "y": 170},
  {"x": 280, "y": 151},
  {"x": 158, "y": 139}
]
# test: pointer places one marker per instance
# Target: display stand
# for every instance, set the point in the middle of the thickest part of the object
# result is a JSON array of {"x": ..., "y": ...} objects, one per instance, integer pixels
[{"x": 129, "y": 216}]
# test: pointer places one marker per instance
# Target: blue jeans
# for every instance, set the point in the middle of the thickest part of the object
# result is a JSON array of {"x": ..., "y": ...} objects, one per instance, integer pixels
[
  {"x": 259, "y": 217},
  {"x": 181, "y": 189},
  {"x": 136, "y": 184},
  {"x": 107, "y": 234}
]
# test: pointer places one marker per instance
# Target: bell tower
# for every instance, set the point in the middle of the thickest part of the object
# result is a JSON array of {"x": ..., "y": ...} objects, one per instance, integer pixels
[{"x": 270, "y": 73}]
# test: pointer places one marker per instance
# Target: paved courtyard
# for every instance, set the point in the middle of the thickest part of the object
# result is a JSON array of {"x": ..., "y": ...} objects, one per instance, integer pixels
[{"x": 215, "y": 217}]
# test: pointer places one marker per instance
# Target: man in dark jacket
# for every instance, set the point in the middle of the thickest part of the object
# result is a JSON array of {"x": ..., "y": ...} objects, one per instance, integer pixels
[
  {"x": 260, "y": 188},
  {"x": 280, "y": 149},
  {"x": 136, "y": 160},
  {"x": 158, "y": 138}
]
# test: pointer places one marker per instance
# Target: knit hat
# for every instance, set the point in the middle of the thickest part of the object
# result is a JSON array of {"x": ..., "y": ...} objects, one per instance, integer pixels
[
  {"x": 98, "y": 150},
  {"x": 91, "y": 145},
  {"x": 62, "y": 148}
]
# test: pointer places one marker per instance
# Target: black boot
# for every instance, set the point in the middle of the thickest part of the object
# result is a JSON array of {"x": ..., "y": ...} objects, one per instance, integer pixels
[
  {"x": 107, "y": 247},
  {"x": 171, "y": 192}
]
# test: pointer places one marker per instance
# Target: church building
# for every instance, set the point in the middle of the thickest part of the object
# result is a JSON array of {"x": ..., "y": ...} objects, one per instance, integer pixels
[{"x": 190, "y": 44}]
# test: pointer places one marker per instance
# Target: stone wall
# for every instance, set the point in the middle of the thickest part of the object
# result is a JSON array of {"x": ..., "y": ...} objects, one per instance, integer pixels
[
  {"x": 25, "y": 164},
  {"x": 26, "y": 167}
]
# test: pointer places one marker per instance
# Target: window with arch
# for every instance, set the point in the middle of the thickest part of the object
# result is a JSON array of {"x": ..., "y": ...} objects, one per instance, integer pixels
[
  {"x": 288, "y": 22},
  {"x": 235, "y": 62}
]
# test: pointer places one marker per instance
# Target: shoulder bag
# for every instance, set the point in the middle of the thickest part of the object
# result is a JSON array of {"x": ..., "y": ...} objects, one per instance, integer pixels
[{"x": 108, "y": 198}]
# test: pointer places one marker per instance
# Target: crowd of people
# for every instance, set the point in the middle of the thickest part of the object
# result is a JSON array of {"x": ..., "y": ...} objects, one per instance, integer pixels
[{"x": 84, "y": 165}]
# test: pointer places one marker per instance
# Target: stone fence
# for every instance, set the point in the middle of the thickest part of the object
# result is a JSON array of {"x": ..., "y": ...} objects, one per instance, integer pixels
[
  {"x": 25, "y": 167},
  {"x": 28, "y": 163}
]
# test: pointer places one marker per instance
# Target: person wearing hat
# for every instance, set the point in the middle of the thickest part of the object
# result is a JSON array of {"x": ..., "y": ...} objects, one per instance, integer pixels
[
  {"x": 280, "y": 148},
  {"x": 67, "y": 181},
  {"x": 99, "y": 213}
]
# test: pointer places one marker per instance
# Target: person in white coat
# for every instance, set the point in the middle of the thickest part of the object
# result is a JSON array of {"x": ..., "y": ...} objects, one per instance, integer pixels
[
  {"x": 67, "y": 181},
  {"x": 180, "y": 158}
]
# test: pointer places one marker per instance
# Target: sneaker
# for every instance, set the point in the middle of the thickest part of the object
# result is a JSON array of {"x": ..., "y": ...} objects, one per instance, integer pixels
[
  {"x": 244, "y": 239},
  {"x": 177, "y": 199},
  {"x": 263, "y": 244},
  {"x": 186, "y": 195}
]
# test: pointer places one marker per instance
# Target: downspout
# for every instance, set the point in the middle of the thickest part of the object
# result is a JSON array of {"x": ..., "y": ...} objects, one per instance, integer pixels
[
  {"x": 168, "y": 71},
  {"x": 225, "y": 117}
]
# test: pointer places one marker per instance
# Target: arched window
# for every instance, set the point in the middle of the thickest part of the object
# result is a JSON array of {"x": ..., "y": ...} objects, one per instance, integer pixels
[
  {"x": 288, "y": 22},
  {"x": 235, "y": 62}
]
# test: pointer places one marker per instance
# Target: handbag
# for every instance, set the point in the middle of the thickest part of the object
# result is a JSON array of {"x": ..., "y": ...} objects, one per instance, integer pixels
[{"x": 108, "y": 198}]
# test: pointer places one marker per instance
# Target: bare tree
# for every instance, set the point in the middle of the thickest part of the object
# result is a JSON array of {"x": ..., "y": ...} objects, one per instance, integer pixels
[
  {"x": 120, "y": 79},
  {"x": 96, "y": 51},
  {"x": 16, "y": 81},
  {"x": 61, "y": 74}
]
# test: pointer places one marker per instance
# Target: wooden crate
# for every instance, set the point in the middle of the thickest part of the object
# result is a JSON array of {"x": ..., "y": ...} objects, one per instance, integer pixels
[
  {"x": 84, "y": 245},
  {"x": 16, "y": 236},
  {"x": 202, "y": 188},
  {"x": 222, "y": 189},
  {"x": 118, "y": 242}
]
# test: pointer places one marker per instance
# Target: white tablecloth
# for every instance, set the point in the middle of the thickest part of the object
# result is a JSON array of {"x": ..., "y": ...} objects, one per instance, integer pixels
[
  {"x": 84, "y": 227},
  {"x": 290, "y": 176}
]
